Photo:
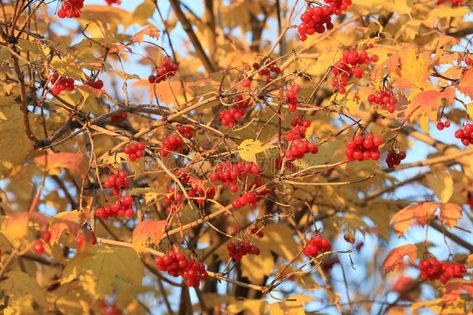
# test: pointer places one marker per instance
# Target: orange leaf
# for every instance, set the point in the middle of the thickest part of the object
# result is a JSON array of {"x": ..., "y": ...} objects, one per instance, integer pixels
[
  {"x": 419, "y": 213},
  {"x": 450, "y": 213},
  {"x": 454, "y": 288},
  {"x": 76, "y": 163},
  {"x": 431, "y": 100},
  {"x": 149, "y": 30},
  {"x": 466, "y": 83},
  {"x": 148, "y": 232},
  {"x": 395, "y": 258},
  {"x": 65, "y": 221},
  {"x": 414, "y": 69}
]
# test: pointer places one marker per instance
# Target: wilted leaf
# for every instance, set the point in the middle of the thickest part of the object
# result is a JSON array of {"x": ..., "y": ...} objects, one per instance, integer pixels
[
  {"x": 395, "y": 259},
  {"x": 149, "y": 30}
]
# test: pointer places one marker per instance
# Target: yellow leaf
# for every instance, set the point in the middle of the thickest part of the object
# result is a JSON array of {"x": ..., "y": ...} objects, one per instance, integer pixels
[
  {"x": 424, "y": 123},
  {"x": 249, "y": 148},
  {"x": 441, "y": 182},
  {"x": 256, "y": 268},
  {"x": 450, "y": 213},
  {"x": 17, "y": 285},
  {"x": 148, "y": 233},
  {"x": 293, "y": 305},
  {"x": 414, "y": 68},
  {"x": 251, "y": 307},
  {"x": 76, "y": 163},
  {"x": 279, "y": 239},
  {"x": 65, "y": 221}
]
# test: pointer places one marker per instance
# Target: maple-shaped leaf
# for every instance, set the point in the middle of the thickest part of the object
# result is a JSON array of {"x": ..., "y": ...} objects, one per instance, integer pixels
[
  {"x": 432, "y": 100},
  {"x": 149, "y": 30},
  {"x": 414, "y": 69},
  {"x": 450, "y": 213},
  {"x": 395, "y": 259},
  {"x": 76, "y": 163},
  {"x": 21, "y": 288},
  {"x": 101, "y": 267},
  {"x": 147, "y": 233},
  {"x": 15, "y": 227},
  {"x": 466, "y": 83},
  {"x": 65, "y": 221},
  {"x": 419, "y": 213},
  {"x": 455, "y": 287},
  {"x": 249, "y": 148}
]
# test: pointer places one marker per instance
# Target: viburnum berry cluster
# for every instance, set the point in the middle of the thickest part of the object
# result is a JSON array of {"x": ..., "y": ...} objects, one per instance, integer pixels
[
  {"x": 135, "y": 150},
  {"x": 176, "y": 264},
  {"x": 248, "y": 198},
  {"x": 228, "y": 173},
  {"x": 432, "y": 269},
  {"x": 172, "y": 143},
  {"x": 123, "y": 207},
  {"x": 454, "y": 2},
  {"x": 268, "y": 69},
  {"x": 173, "y": 200},
  {"x": 258, "y": 231},
  {"x": 350, "y": 65},
  {"x": 165, "y": 71},
  {"x": 316, "y": 246},
  {"x": 61, "y": 83},
  {"x": 231, "y": 116},
  {"x": 110, "y": 2},
  {"x": 298, "y": 145},
  {"x": 395, "y": 157},
  {"x": 465, "y": 134},
  {"x": 237, "y": 250},
  {"x": 319, "y": 18},
  {"x": 200, "y": 194},
  {"x": 384, "y": 98},
  {"x": 362, "y": 148},
  {"x": 443, "y": 124},
  {"x": 96, "y": 84},
  {"x": 70, "y": 9},
  {"x": 468, "y": 61},
  {"x": 291, "y": 97},
  {"x": 117, "y": 181},
  {"x": 119, "y": 117}
]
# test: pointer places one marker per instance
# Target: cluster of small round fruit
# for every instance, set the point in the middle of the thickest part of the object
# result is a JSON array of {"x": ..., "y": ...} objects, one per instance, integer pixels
[
  {"x": 110, "y": 2},
  {"x": 135, "y": 150},
  {"x": 119, "y": 117},
  {"x": 200, "y": 194},
  {"x": 97, "y": 84},
  {"x": 61, "y": 84},
  {"x": 443, "y": 124},
  {"x": 432, "y": 269},
  {"x": 164, "y": 72},
  {"x": 291, "y": 97},
  {"x": 176, "y": 264},
  {"x": 267, "y": 69},
  {"x": 123, "y": 207},
  {"x": 384, "y": 98},
  {"x": 173, "y": 200},
  {"x": 317, "y": 245},
  {"x": 81, "y": 239},
  {"x": 248, "y": 198},
  {"x": 299, "y": 128},
  {"x": 468, "y": 61},
  {"x": 465, "y": 134},
  {"x": 186, "y": 131},
  {"x": 299, "y": 148},
  {"x": 454, "y": 2},
  {"x": 318, "y": 19},
  {"x": 258, "y": 231},
  {"x": 350, "y": 65},
  {"x": 229, "y": 117},
  {"x": 229, "y": 173},
  {"x": 117, "y": 181},
  {"x": 395, "y": 157},
  {"x": 363, "y": 148},
  {"x": 172, "y": 143},
  {"x": 70, "y": 9},
  {"x": 237, "y": 250}
]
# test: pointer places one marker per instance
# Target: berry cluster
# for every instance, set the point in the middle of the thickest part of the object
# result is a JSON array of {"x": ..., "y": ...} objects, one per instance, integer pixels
[
  {"x": 117, "y": 181},
  {"x": 291, "y": 97},
  {"x": 70, "y": 9},
  {"x": 299, "y": 128},
  {"x": 395, "y": 157},
  {"x": 267, "y": 69},
  {"x": 97, "y": 84},
  {"x": 174, "y": 200},
  {"x": 432, "y": 269},
  {"x": 164, "y": 72},
  {"x": 384, "y": 98},
  {"x": 318, "y": 19},
  {"x": 468, "y": 61},
  {"x": 110, "y": 2},
  {"x": 350, "y": 65},
  {"x": 237, "y": 250},
  {"x": 454, "y": 2},
  {"x": 465, "y": 134},
  {"x": 176, "y": 264},
  {"x": 135, "y": 150},
  {"x": 186, "y": 131},
  {"x": 61, "y": 84},
  {"x": 200, "y": 194},
  {"x": 363, "y": 148},
  {"x": 123, "y": 207},
  {"x": 299, "y": 148},
  {"x": 229, "y": 117},
  {"x": 229, "y": 173},
  {"x": 119, "y": 117},
  {"x": 317, "y": 245},
  {"x": 258, "y": 231},
  {"x": 172, "y": 144},
  {"x": 443, "y": 124},
  {"x": 248, "y": 198}
]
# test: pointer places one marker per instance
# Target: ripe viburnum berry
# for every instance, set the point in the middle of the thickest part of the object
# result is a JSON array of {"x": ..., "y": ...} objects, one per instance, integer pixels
[
  {"x": 176, "y": 264},
  {"x": 362, "y": 148},
  {"x": 163, "y": 72},
  {"x": 70, "y": 9},
  {"x": 135, "y": 150},
  {"x": 465, "y": 134},
  {"x": 316, "y": 246},
  {"x": 38, "y": 247},
  {"x": 237, "y": 250},
  {"x": 61, "y": 84},
  {"x": 395, "y": 157},
  {"x": 117, "y": 181}
]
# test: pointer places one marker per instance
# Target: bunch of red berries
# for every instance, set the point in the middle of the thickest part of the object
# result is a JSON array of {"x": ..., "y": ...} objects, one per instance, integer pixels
[
  {"x": 317, "y": 245},
  {"x": 237, "y": 250},
  {"x": 299, "y": 128},
  {"x": 117, "y": 181},
  {"x": 164, "y": 72},
  {"x": 119, "y": 117},
  {"x": 267, "y": 69},
  {"x": 299, "y": 148},
  {"x": 395, "y": 157},
  {"x": 97, "y": 84},
  {"x": 363, "y": 148},
  {"x": 186, "y": 131},
  {"x": 123, "y": 207},
  {"x": 61, "y": 84},
  {"x": 465, "y": 134},
  {"x": 110, "y": 2},
  {"x": 350, "y": 65},
  {"x": 174, "y": 200},
  {"x": 135, "y": 150},
  {"x": 432, "y": 269},
  {"x": 384, "y": 98},
  {"x": 38, "y": 247},
  {"x": 172, "y": 143},
  {"x": 468, "y": 61},
  {"x": 443, "y": 124},
  {"x": 258, "y": 231},
  {"x": 229, "y": 173},
  {"x": 452, "y": 270},
  {"x": 200, "y": 194},
  {"x": 248, "y": 198},
  {"x": 229, "y": 117},
  {"x": 454, "y": 2},
  {"x": 291, "y": 97},
  {"x": 70, "y": 9},
  {"x": 176, "y": 264}
]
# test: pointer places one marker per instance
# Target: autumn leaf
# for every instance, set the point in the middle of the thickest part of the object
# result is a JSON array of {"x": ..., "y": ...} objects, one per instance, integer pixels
[
  {"x": 419, "y": 213},
  {"x": 22, "y": 290},
  {"x": 454, "y": 288},
  {"x": 293, "y": 305},
  {"x": 249, "y": 306},
  {"x": 149, "y": 30},
  {"x": 432, "y": 100},
  {"x": 414, "y": 69},
  {"x": 65, "y": 221},
  {"x": 395, "y": 259},
  {"x": 256, "y": 268},
  {"x": 441, "y": 182},
  {"x": 466, "y": 83},
  {"x": 450, "y": 214},
  {"x": 249, "y": 148},
  {"x": 15, "y": 227},
  {"x": 76, "y": 163},
  {"x": 147, "y": 233}
]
